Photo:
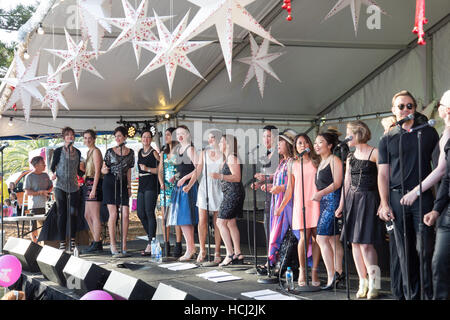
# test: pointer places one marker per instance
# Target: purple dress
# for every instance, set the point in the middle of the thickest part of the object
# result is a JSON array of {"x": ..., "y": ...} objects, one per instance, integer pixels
[{"x": 279, "y": 225}]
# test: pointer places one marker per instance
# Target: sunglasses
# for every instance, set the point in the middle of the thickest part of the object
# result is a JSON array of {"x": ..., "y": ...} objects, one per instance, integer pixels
[{"x": 402, "y": 106}]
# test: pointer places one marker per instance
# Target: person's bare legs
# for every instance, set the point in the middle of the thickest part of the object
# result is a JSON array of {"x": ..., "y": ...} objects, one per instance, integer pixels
[
  {"x": 327, "y": 255},
  {"x": 338, "y": 252},
  {"x": 112, "y": 209},
  {"x": 235, "y": 237},
  {"x": 316, "y": 257},
  {"x": 202, "y": 233},
  {"x": 92, "y": 215},
  {"x": 226, "y": 237},
  {"x": 125, "y": 223},
  {"x": 188, "y": 233},
  {"x": 217, "y": 239},
  {"x": 301, "y": 256}
]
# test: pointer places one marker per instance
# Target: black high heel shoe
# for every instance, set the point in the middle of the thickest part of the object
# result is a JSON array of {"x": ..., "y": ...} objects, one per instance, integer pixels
[
  {"x": 237, "y": 261},
  {"x": 333, "y": 282}
]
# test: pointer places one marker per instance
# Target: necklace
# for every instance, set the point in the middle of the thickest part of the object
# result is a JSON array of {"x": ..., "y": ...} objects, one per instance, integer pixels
[{"x": 144, "y": 154}]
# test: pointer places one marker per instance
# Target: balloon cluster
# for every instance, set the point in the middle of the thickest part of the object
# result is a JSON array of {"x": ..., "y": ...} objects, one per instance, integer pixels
[
  {"x": 287, "y": 6},
  {"x": 420, "y": 21},
  {"x": 10, "y": 270}
]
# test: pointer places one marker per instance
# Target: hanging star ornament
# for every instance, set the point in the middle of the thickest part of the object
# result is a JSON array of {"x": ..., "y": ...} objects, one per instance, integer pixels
[
  {"x": 224, "y": 14},
  {"x": 259, "y": 63},
  {"x": 76, "y": 57},
  {"x": 53, "y": 92},
  {"x": 136, "y": 26},
  {"x": 25, "y": 85},
  {"x": 355, "y": 6},
  {"x": 170, "y": 52},
  {"x": 93, "y": 14}
]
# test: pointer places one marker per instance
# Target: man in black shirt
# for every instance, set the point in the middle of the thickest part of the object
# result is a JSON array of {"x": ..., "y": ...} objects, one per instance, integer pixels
[{"x": 390, "y": 188}]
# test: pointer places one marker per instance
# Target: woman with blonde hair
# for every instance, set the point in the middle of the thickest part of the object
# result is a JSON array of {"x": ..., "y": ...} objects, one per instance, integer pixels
[{"x": 363, "y": 228}]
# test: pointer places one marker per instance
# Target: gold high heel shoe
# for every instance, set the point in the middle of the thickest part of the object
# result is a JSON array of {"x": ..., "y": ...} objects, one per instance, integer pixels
[
  {"x": 187, "y": 256},
  {"x": 314, "y": 283},
  {"x": 363, "y": 287},
  {"x": 373, "y": 292}
]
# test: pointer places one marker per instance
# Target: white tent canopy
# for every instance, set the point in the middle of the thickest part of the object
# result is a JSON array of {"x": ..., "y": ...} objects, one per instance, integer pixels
[{"x": 326, "y": 70}]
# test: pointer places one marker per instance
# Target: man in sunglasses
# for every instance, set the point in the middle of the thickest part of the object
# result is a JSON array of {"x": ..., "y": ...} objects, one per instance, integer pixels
[{"x": 390, "y": 188}]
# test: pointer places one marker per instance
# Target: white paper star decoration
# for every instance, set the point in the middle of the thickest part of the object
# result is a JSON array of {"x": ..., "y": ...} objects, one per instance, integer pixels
[
  {"x": 76, "y": 57},
  {"x": 93, "y": 23},
  {"x": 355, "y": 6},
  {"x": 170, "y": 52},
  {"x": 25, "y": 85},
  {"x": 53, "y": 88},
  {"x": 135, "y": 27},
  {"x": 224, "y": 14},
  {"x": 259, "y": 63}
]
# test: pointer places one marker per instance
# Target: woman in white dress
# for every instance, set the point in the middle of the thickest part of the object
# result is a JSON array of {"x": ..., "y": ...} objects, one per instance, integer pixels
[{"x": 214, "y": 159}]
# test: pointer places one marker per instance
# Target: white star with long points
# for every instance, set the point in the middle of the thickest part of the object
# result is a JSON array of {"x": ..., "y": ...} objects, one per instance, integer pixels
[
  {"x": 25, "y": 85},
  {"x": 170, "y": 52},
  {"x": 76, "y": 57},
  {"x": 136, "y": 26},
  {"x": 355, "y": 6},
  {"x": 224, "y": 14},
  {"x": 53, "y": 92},
  {"x": 259, "y": 63}
]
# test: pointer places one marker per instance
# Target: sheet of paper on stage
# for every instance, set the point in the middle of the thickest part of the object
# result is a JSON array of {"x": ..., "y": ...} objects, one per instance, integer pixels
[
  {"x": 97, "y": 263},
  {"x": 184, "y": 266},
  {"x": 213, "y": 274},
  {"x": 253, "y": 294},
  {"x": 224, "y": 279},
  {"x": 277, "y": 296},
  {"x": 170, "y": 265}
]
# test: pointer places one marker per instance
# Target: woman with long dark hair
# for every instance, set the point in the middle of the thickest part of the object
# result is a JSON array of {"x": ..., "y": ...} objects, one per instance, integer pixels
[
  {"x": 328, "y": 183},
  {"x": 93, "y": 181},
  {"x": 167, "y": 172},
  {"x": 312, "y": 209},
  {"x": 117, "y": 166},
  {"x": 183, "y": 211},
  {"x": 148, "y": 188},
  {"x": 233, "y": 200}
]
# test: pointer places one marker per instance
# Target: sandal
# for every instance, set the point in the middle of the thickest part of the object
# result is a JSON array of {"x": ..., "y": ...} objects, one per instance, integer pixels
[
  {"x": 187, "y": 256},
  {"x": 226, "y": 262},
  {"x": 314, "y": 283},
  {"x": 217, "y": 257},
  {"x": 201, "y": 256},
  {"x": 237, "y": 261},
  {"x": 301, "y": 280}
]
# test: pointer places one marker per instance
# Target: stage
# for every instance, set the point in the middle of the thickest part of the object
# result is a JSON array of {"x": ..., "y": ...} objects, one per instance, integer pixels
[{"x": 39, "y": 288}]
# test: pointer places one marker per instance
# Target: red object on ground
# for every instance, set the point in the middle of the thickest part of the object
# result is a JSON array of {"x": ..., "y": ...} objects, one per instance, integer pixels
[{"x": 420, "y": 21}]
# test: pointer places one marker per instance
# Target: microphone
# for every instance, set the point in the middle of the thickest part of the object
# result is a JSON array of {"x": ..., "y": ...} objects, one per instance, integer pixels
[
  {"x": 307, "y": 150},
  {"x": 400, "y": 122},
  {"x": 3, "y": 146},
  {"x": 349, "y": 138},
  {"x": 70, "y": 143},
  {"x": 430, "y": 123},
  {"x": 122, "y": 144}
]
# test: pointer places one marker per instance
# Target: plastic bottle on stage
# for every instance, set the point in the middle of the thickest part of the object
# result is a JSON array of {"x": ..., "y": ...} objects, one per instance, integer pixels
[
  {"x": 153, "y": 244},
  {"x": 289, "y": 279},
  {"x": 158, "y": 257},
  {"x": 75, "y": 252}
]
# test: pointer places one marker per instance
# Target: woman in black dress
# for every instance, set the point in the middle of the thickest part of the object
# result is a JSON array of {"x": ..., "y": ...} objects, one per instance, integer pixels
[
  {"x": 148, "y": 188},
  {"x": 364, "y": 229},
  {"x": 117, "y": 167},
  {"x": 233, "y": 200}
]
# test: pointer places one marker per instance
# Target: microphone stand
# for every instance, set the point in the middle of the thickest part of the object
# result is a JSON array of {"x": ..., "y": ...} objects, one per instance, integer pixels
[
  {"x": 207, "y": 201},
  {"x": 166, "y": 236},
  {"x": 421, "y": 226},
  {"x": 255, "y": 254},
  {"x": 306, "y": 288},
  {"x": 344, "y": 226},
  {"x": 3, "y": 179},
  {"x": 120, "y": 212},
  {"x": 269, "y": 279},
  {"x": 68, "y": 198},
  {"x": 405, "y": 237}
]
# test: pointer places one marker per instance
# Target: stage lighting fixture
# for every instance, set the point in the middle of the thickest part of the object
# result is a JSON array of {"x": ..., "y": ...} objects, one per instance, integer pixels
[
  {"x": 167, "y": 116},
  {"x": 131, "y": 131}
]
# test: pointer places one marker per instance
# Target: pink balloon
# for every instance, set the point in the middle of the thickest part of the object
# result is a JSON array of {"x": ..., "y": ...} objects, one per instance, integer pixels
[
  {"x": 10, "y": 270},
  {"x": 97, "y": 295}
]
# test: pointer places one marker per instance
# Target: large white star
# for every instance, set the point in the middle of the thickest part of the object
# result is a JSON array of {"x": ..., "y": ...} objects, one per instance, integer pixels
[
  {"x": 170, "y": 52},
  {"x": 25, "y": 85},
  {"x": 93, "y": 23},
  {"x": 355, "y": 6},
  {"x": 53, "y": 92},
  {"x": 259, "y": 63},
  {"x": 224, "y": 14},
  {"x": 76, "y": 58},
  {"x": 135, "y": 27}
]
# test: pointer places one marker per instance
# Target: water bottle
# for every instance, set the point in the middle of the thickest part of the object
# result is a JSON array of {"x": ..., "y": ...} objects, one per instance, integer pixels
[
  {"x": 289, "y": 279},
  {"x": 75, "y": 252},
  {"x": 153, "y": 244},
  {"x": 158, "y": 257}
]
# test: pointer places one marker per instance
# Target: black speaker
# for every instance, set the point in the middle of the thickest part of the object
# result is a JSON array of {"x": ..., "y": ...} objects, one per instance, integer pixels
[
  {"x": 52, "y": 261},
  {"x": 166, "y": 292},
  {"x": 26, "y": 251},
  {"x": 125, "y": 287},
  {"x": 83, "y": 276}
]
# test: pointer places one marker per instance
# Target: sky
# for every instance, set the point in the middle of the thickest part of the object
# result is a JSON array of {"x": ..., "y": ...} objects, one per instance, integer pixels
[{"x": 9, "y": 36}]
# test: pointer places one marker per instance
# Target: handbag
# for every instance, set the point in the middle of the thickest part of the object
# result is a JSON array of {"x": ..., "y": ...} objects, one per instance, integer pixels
[{"x": 288, "y": 254}]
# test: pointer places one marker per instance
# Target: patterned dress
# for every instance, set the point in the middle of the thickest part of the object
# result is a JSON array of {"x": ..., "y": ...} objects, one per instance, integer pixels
[
  {"x": 279, "y": 225},
  {"x": 233, "y": 196},
  {"x": 169, "y": 172}
]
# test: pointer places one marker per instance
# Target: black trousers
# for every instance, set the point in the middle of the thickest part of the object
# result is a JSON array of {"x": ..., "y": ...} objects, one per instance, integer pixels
[
  {"x": 413, "y": 218},
  {"x": 441, "y": 258},
  {"x": 61, "y": 206},
  {"x": 146, "y": 203}
]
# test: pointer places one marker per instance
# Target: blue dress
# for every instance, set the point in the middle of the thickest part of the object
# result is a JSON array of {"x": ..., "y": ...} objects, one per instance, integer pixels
[{"x": 327, "y": 224}]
